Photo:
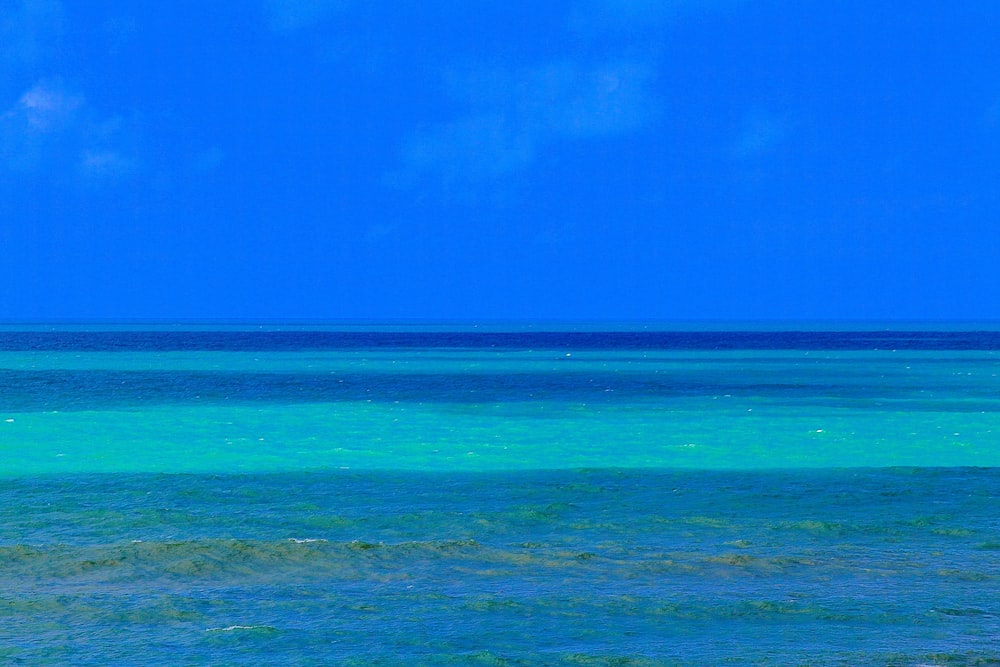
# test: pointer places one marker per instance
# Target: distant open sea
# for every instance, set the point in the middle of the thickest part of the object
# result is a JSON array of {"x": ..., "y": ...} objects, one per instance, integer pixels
[{"x": 318, "y": 495}]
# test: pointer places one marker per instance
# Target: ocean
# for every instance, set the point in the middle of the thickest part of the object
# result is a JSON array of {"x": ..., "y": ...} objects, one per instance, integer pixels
[{"x": 437, "y": 495}]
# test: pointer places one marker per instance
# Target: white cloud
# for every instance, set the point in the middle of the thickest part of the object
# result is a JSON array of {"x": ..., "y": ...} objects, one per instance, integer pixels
[
  {"x": 46, "y": 107},
  {"x": 31, "y": 127},
  {"x": 510, "y": 115},
  {"x": 507, "y": 117},
  {"x": 568, "y": 99},
  {"x": 52, "y": 129},
  {"x": 47, "y": 128},
  {"x": 289, "y": 15},
  {"x": 105, "y": 164}
]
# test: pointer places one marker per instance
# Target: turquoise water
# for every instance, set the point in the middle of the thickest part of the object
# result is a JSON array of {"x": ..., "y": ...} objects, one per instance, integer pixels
[{"x": 194, "y": 497}]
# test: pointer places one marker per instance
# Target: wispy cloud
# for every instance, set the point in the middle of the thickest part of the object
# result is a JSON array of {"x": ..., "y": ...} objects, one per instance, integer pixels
[
  {"x": 507, "y": 116},
  {"x": 290, "y": 15},
  {"x": 32, "y": 127},
  {"x": 46, "y": 107},
  {"x": 577, "y": 100},
  {"x": 106, "y": 164},
  {"x": 602, "y": 85},
  {"x": 47, "y": 127},
  {"x": 52, "y": 128}
]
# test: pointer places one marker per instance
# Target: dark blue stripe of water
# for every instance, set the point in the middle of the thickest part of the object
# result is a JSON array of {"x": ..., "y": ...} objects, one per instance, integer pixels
[{"x": 166, "y": 341}]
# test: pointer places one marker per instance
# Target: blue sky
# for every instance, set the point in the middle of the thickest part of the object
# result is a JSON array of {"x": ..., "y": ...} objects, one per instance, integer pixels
[{"x": 577, "y": 159}]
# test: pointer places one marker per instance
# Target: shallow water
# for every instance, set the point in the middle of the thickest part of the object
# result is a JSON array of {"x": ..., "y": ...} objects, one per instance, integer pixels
[
  {"x": 555, "y": 503},
  {"x": 696, "y": 567}
]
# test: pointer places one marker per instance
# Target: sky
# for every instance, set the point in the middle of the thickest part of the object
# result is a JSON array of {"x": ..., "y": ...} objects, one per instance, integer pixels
[{"x": 467, "y": 160}]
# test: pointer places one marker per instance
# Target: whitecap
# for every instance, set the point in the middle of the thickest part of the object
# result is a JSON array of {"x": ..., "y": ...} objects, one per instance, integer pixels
[{"x": 232, "y": 628}]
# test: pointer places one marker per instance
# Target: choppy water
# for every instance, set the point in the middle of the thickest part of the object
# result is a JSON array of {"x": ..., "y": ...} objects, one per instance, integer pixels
[{"x": 314, "y": 497}]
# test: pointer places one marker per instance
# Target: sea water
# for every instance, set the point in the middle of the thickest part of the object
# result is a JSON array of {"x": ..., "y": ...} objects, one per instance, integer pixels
[{"x": 432, "y": 496}]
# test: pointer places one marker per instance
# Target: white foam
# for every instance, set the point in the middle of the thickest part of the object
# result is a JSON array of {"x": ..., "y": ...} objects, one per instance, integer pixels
[
  {"x": 231, "y": 628},
  {"x": 306, "y": 540}
]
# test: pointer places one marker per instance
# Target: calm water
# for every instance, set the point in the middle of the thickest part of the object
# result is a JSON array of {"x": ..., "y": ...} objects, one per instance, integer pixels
[{"x": 528, "y": 498}]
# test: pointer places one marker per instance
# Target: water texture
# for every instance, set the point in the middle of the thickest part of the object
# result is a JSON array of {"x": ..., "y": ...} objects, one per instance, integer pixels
[{"x": 738, "y": 498}]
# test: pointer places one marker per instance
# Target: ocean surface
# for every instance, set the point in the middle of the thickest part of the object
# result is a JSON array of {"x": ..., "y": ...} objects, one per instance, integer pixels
[{"x": 472, "y": 496}]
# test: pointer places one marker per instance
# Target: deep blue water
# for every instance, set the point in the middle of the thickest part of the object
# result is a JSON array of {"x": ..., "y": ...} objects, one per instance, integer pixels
[{"x": 304, "y": 339}]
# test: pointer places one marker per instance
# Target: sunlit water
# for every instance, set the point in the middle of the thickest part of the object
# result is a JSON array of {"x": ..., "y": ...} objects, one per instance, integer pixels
[{"x": 429, "y": 498}]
